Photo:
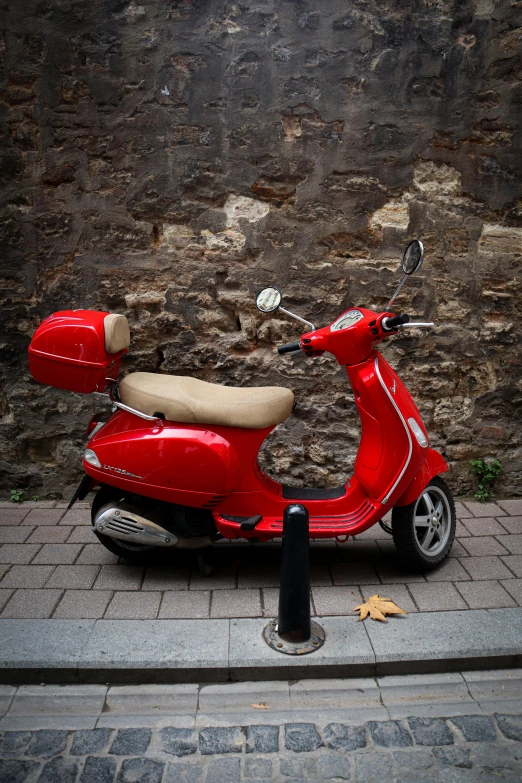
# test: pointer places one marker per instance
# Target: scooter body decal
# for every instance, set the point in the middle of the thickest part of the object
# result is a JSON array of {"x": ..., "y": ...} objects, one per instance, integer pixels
[{"x": 406, "y": 429}]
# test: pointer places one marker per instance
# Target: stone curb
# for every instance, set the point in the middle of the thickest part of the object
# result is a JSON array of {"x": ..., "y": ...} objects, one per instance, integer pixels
[{"x": 170, "y": 651}]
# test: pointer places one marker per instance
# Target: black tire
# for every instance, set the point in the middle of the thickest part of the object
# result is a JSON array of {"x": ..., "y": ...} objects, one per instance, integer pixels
[
  {"x": 416, "y": 550},
  {"x": 133, "y": 552}
]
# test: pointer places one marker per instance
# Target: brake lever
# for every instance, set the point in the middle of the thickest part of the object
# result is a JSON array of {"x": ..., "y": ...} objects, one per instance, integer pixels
[{"x": 409, "y": 325}]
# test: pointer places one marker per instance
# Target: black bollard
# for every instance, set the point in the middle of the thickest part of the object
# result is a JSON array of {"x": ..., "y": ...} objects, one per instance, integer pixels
[{"x": 294, "y": 633}]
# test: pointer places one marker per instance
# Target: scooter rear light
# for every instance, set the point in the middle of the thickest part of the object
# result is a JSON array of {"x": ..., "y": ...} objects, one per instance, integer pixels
[
  {"x": 422, "y": 440},
  {"x": 90, "y": 457}
]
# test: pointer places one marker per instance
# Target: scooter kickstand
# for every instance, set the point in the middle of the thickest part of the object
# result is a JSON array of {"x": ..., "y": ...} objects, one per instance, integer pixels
[{"x": 205, "y": 569}]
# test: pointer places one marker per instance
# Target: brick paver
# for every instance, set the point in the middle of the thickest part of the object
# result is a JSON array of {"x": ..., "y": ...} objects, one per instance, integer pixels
[
  {"x": 436, "y": 597},
  {"x": 179, "y": 605},
  {"x": 73, "y": 577},
  {"x": 12, "y": 516},
  {"x": 43, "y": 516},
  {"x": 45, "y": 534},
  {"x": 83, "y": 604},
  {"x": 27, "y": 576},
  {"x": 15, "y": 534},
  {"x": 46, "y": 549},
  {"x": 31, "y": 604},
  {"x": 134, "y": 606},
  {"x": 485, "y": 595},
  {"x": 58, "y": 553},
  {"x": 236, "y": 603}
]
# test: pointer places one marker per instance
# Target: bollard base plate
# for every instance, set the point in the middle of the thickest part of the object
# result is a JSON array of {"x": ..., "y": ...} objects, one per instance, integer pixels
[{"x": 274, "y": 641}]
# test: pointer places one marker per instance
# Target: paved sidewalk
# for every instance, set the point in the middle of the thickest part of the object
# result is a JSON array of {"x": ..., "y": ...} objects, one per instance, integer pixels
[
  {"x": 51, "y": 566},
  {"x": 453, "y": 728}
]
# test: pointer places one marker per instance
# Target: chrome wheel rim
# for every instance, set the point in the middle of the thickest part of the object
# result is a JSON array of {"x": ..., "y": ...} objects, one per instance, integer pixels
[{"x": 432, "y": 521}]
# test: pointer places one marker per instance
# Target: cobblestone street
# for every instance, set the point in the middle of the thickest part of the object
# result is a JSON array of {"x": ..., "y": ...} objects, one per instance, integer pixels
[
  {"x": 463, "y": 729},
  {"x": 51, "y": 565}
]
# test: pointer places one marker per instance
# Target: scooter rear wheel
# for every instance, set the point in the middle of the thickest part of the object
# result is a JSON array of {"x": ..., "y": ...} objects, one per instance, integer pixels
[{"x": 423, "y": 531}]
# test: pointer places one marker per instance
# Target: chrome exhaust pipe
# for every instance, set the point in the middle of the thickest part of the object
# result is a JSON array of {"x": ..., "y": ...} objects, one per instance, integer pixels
[{"x": 126, "y": 525}]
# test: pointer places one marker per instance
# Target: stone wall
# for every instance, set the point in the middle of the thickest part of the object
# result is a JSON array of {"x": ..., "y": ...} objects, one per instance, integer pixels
[{"x": 167, "y": 160}]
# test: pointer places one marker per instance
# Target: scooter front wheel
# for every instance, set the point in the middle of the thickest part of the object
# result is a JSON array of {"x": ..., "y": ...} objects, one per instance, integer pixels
[{"x": 423, "y": 531}]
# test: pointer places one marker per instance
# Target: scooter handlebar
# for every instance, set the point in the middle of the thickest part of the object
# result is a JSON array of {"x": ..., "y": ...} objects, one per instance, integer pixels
[
  {"x": 389, "y": 324},
  {"x": 289, "y": 348}
]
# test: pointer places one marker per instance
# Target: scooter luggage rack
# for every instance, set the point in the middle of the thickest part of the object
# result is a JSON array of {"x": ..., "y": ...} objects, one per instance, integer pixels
[{"x": 123, "y": 407}]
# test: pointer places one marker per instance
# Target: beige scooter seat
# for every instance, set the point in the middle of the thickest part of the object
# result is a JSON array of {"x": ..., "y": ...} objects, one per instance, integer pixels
[{"x": 185, "y": 399}]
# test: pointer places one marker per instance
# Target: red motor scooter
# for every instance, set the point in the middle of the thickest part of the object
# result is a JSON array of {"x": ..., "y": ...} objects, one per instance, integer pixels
[{"x": 177, "y": 460}]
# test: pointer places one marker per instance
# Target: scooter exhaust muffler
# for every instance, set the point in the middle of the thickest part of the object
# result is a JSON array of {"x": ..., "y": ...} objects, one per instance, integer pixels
[{"x": 126, "y": 525}]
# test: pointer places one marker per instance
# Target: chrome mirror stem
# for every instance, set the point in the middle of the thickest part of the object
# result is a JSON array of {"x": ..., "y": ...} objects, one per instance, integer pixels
[
  {"x": 298, "y": 318},
  {"x": 397, "y": 291}
]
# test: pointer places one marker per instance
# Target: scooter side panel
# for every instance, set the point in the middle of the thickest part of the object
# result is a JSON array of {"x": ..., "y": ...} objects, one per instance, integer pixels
[{"x": 169, "y": 456}]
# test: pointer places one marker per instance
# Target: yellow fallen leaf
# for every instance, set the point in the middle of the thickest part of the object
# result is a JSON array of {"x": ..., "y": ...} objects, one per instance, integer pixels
[
  {"x": 378, "y": 607},
  {"x": 261, "y": 706}
]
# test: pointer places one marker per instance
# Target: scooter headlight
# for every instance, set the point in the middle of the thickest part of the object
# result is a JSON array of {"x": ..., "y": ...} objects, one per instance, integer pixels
[
  {"x": 422, "y": 440},
  {"x": 91, "y": 458}
]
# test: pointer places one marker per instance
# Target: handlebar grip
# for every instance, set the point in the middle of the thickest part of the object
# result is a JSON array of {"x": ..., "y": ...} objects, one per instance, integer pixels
[
  {"x": 388, "y": 324},
  {"x": 289, "y": 347}
]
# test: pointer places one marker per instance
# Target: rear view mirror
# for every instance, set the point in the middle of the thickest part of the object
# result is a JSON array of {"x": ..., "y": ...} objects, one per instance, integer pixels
[
  {"x": 413, "y": 257},
  {"x": 268, "y": 300}
]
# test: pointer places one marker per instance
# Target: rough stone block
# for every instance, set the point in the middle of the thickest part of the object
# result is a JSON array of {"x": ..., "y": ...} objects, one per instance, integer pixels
[
  {"x": 476, "y": 728},
  {"x": 183, "y": 773},
  {"x": 454, "y": 757},
  {"x": 430, "y": 731},
  {"x": 99, "y": 770},
  {"x": 14, "y": 743},
  {"x": 141, "y": 769},
  {"x": 344, "y": 738},
  {"x": 15, "y": 771},
  {"x": 179, "y": 742},
  {"x": 258, "y": 768},
  {"x": 389, "y": 734},
  {"x": 302, "y": 737},
  {"x": 220, "y": 770},
  {"x": 510, "y": 726},
  {"x": 373, "y": 767},
  {"x": 88, "y": 741},
  {"x": 334, "y": 767},
  {"x": 304, "y": 768},
  {"x": 221, "y": 740},
  {"x": 130, "y": 742},
  {"x": 262, "y": 739},
  {"x": 47, "y": 743}
]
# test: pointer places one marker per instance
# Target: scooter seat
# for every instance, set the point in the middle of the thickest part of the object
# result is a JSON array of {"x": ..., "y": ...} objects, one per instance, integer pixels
[{"x": 185, "y": 399}]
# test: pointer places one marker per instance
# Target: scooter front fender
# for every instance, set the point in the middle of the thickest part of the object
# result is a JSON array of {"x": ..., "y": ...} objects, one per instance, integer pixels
[{"x": 432, "y": 466}]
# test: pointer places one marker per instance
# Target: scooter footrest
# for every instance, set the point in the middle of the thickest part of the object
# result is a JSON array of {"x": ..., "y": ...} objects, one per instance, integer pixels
[{"x": 245, "y": 523}]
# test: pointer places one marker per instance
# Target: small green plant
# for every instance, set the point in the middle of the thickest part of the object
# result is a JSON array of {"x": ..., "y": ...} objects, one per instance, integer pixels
[
  {"x": 17, "y": 496},
  {"x": 487, "y": 473}
]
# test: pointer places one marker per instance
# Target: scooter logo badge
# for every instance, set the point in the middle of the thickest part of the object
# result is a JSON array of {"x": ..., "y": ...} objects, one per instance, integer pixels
[
  {"x": 394, "y": 387},
  {"x": 121, "y": 471}
]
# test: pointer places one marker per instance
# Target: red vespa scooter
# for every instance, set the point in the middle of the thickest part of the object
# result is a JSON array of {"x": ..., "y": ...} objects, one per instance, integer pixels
[{"x": 177, "y": 461}]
